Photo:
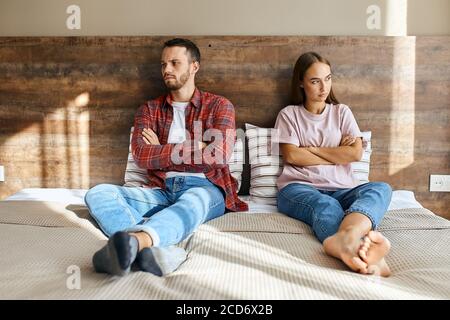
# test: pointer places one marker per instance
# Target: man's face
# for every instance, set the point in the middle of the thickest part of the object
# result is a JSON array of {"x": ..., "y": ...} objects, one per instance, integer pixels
[{"x": 176, "y": 68}]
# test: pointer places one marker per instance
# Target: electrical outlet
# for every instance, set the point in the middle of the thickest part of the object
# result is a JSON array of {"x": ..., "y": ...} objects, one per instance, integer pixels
[
  {"x": 439, "y": 183},
  {"x": 2, "y": 173}
]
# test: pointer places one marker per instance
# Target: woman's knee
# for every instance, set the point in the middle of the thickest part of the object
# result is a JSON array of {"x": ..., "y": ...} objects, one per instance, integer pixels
[{"x": 382, "y": 187}]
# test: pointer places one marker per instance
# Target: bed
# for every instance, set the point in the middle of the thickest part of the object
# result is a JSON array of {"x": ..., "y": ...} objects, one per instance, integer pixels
[{"x": 48, "y": 239}]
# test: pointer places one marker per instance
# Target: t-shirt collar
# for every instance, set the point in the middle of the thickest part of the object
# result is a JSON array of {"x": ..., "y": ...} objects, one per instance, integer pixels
[{"x": 196, "y": 99}]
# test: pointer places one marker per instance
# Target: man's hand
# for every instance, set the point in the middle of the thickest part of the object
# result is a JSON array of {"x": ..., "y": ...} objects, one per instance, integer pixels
[
  {"x": 150, "y": 137},
  {"x": 347, "y": 141}
]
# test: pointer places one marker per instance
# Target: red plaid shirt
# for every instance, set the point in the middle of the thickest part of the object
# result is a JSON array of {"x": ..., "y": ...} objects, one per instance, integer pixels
[{"x": 212, "y": 112}]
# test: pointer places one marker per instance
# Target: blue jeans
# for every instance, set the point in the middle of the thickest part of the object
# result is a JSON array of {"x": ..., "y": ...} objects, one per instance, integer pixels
[
  {"x": 168, "y": 216},
  {"x": 325, "y": 210}
]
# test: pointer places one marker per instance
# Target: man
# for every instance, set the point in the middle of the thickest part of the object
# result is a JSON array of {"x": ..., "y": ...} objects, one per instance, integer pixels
[{"x": 184, "y": 139}]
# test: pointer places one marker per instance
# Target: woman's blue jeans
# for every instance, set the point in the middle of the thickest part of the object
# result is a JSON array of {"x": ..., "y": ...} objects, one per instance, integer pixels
[
  {"x": 168, "y": 216},
  {"x": 325, "y": 210}
]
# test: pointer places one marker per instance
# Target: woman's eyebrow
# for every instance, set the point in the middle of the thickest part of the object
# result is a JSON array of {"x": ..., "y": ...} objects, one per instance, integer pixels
[{"x": 319, "y": 78}]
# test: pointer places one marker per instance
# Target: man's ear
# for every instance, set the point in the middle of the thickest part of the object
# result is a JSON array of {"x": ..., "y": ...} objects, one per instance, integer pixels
[{"x": 196, "y": 66}]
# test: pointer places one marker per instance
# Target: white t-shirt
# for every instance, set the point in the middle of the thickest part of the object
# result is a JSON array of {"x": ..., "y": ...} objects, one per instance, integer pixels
[{"x": 177, "y": 134}]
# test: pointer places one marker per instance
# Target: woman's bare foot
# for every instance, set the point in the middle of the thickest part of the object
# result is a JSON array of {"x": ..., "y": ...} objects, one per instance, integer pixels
[
  {"x": 374, "y": 248},
  {"x": 344, "y": 245},
  {"x": 380, "y": 269}
]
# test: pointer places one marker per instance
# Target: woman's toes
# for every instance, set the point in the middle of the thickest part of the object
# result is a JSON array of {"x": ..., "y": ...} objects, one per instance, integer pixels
[
  {"x": 363, "y": 254},
  {"x": 375, "y": 236},
  {"x": 359, "y": 265}
]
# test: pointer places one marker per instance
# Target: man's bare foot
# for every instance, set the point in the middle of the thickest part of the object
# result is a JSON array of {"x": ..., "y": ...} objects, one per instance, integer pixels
[
  {"x": 374, "y": 248},
  {"x": 344, "y": 245}
]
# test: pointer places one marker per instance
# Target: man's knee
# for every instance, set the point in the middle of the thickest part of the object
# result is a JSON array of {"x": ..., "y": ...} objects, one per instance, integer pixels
[{"x": 100, "y": 188}]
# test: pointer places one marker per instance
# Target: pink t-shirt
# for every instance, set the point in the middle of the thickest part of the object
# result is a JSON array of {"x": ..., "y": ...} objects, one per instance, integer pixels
[{"x": 298, "y": 126}]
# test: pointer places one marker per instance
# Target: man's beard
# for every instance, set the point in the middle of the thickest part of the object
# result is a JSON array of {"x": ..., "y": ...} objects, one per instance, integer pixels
[{"x": 178, "y": 84}]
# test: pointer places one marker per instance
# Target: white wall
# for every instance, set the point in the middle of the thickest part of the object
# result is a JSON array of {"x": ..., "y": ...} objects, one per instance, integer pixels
[{"x": 224, "y": 17}]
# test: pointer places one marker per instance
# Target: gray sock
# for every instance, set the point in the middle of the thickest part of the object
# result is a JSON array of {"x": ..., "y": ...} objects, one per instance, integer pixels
[
  {"x": 117, "y": 255},
  {"x": 161, "y": 261}
]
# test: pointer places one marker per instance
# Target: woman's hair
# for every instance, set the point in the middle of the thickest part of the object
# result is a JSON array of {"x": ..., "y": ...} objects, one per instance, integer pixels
[{"x": 303, "y": 63}]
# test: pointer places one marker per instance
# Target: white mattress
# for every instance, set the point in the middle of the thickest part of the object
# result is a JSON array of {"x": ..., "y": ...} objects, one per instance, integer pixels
[{"x": 401, "y": 199}]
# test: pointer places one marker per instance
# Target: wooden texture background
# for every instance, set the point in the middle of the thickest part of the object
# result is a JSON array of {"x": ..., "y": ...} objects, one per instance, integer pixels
[{"x": 67, "y": 103}]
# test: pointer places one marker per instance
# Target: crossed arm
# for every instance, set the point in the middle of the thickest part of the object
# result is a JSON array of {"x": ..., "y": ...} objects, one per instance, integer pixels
[
  {"x": 349, "y": 150},
  {"x": 151, "y": 139},
  {"x": 195, "y": 156}
]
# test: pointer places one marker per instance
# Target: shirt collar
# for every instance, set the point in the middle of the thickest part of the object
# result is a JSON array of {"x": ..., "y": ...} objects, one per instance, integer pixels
[{"x": 196, "y": 99}]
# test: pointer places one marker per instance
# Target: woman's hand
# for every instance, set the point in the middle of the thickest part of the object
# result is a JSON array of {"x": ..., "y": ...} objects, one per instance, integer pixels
[
  {"x": 347, "y": 141},
  {"x": 150, "y": 137}
]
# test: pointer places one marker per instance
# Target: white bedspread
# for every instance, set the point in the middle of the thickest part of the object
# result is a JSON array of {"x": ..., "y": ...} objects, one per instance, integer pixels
[{"x": 44, "y": 245}]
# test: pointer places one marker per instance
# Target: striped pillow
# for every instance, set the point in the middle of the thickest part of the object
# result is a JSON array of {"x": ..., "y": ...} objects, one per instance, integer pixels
[
  {"x": 136, "y": 176},
  {"x": 236, "y": 163},
  {"x": 266, "y": 164},
  {"x": 265, "y": 167}
]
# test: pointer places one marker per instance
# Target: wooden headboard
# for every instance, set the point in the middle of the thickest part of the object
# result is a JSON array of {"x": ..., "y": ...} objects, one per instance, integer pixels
[{"x": 67, "y": 103}]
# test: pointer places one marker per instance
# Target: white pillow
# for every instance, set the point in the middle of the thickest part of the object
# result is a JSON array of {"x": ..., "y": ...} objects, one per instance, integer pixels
[
  {"x": 265, "y": 167},
  {"x": 136, "y": 176}
]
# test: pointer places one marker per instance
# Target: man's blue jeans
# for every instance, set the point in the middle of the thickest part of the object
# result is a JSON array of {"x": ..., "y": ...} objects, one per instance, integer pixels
[
  {"x": 168, "y": 216},
  {"x": 325, "y": 210}
]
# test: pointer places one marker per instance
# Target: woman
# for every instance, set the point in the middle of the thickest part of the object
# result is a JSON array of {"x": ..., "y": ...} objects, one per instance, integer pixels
[{"x": 319, "y": 138}]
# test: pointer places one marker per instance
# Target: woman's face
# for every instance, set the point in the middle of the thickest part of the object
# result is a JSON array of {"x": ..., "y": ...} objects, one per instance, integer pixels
[{"x": 317, "y": 82}]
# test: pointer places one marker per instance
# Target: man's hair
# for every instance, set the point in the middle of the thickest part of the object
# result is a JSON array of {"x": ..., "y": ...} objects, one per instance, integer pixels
[{"x": 191, "y": 48}]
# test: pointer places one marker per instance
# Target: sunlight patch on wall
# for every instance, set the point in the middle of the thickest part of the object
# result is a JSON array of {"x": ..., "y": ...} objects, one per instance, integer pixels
[
  {"x": 396, "y": 23},
  {"x": 81, "y": 100},
  {"x": 401, "y": 149},
  {"x": 79, "y": 153},
  {"x": 65, "y": 145}
]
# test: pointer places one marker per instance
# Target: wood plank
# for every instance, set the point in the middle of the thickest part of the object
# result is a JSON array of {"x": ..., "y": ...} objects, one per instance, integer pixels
[{"x": 397, "y": 87}]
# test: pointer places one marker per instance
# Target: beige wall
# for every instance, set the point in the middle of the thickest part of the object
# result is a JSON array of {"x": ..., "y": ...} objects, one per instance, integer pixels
[{"x": 224, "y": 17}]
